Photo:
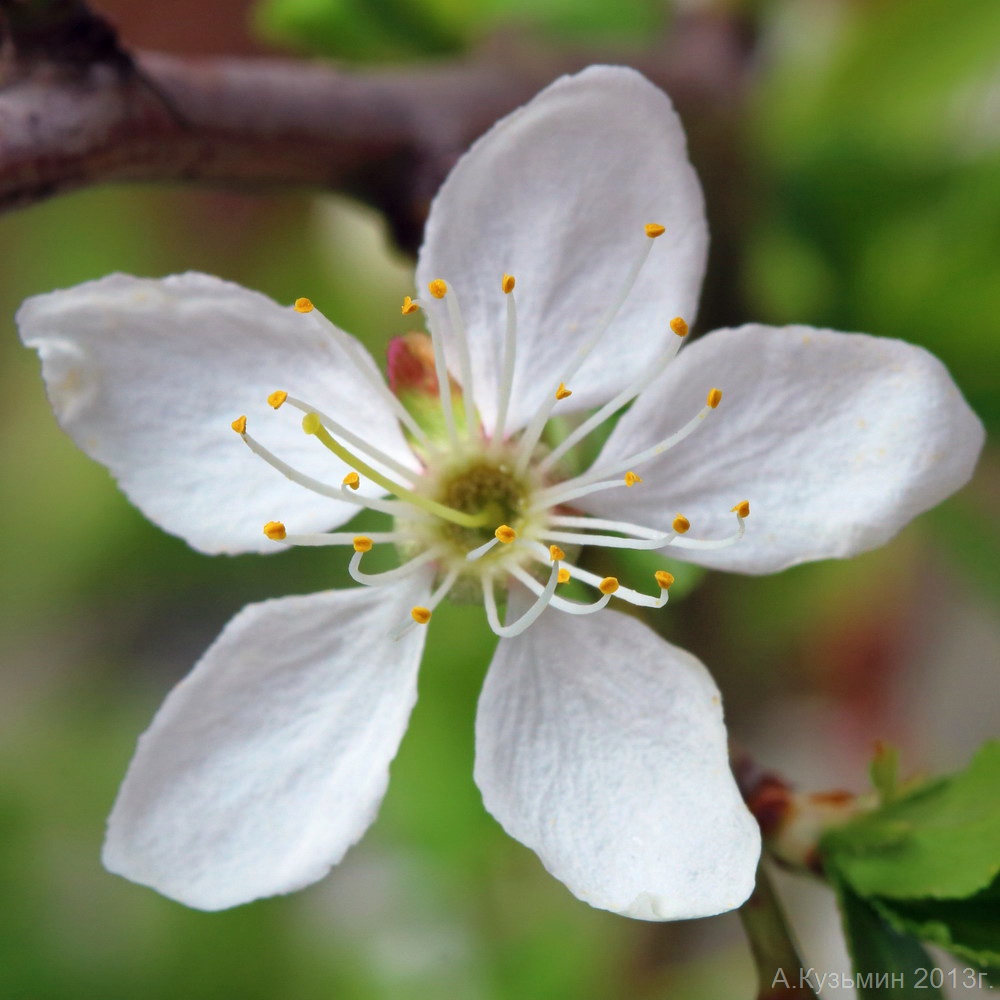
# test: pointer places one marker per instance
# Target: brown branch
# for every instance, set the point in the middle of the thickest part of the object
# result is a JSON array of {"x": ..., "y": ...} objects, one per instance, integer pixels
[{"x": 77, "y": 110}]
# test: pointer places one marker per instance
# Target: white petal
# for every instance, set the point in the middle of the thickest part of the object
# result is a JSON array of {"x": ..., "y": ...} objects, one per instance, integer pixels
[
  {"x": 147, "y": 376},
  {"x": 602, "y": 748},
  {"x": 837, "y": 440},
  {"x": 557, "y": 194},
  {"x": 270, "y": 759}
]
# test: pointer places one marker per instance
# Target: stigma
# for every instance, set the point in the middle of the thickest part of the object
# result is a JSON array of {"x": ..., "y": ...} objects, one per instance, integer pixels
[{"x": 480, "y": 512}]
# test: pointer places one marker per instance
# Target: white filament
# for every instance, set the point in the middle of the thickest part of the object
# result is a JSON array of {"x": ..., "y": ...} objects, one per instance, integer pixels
[
  {"x": 507, "y": 376},
  {"x": 533, "y": 432},
  {"x": 529, "y": 616}
]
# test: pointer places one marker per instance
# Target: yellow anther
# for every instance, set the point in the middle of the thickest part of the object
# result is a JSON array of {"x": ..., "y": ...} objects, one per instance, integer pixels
[
  {"x": 631, "y": 479},
  {"x": 664, "y": 579},
  {"x": 277, "y": 398},
  {"x": 352, "y": 479},
  {"x": 742, "y": 509},
  {"x": 507, "y": 284},
  {"x": 408, "y": 306},
  {"x": 303, "y": 305},
  {"x": 679, "y": 326},
  {"x": 562, "y": 392},
  {"x": 556, "y": 553},
  {"x": 438, "y": 288},
  {"x": 681, "y": 524},
  {"x": 608, "y": 585},
  {"x": 239, "y": 425},
  {"x": 505, "y": 533},
  {"x": 275, "y": 530},
  {"x": 563, "y": 576},
  {"x": 362, "y": 543},
  {"x": 311, "y": 423},
  {"x": 420, "y": 615},
  {"x": 713, "y": 398},
  {"x": 654, "y": 229}
]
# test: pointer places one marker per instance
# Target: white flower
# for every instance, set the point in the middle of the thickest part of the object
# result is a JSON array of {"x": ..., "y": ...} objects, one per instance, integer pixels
[{"x": 599, "y": 745}]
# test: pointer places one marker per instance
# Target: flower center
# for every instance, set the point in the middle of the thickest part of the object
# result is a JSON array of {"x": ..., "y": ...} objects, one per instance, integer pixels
[
  {"x": 483, "y": 485},
  {"x": 488, "y": 510}
]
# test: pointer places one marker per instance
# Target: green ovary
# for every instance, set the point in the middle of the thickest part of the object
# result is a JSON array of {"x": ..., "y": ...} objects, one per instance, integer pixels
[{"x": 477, "y": 486}]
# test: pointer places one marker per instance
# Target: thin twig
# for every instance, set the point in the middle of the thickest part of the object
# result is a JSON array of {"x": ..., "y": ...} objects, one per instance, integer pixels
[
  {"x": 779, "y": 967},
  {"x": 76, "y": 109}
]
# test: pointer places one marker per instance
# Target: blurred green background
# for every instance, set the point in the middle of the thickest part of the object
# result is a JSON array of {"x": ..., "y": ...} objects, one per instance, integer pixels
[{"x": 867, "y": 198}]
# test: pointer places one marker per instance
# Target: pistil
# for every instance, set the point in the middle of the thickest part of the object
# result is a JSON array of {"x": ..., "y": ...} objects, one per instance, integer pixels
[{"x": 312, "y": 424}]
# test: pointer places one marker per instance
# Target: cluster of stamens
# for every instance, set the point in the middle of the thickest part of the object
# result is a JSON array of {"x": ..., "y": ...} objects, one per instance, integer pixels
[{"x": 489, "y": 509}]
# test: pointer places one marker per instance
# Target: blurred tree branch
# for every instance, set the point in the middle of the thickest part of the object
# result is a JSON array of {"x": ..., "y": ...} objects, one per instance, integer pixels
[{"x": 77, "y": 109}]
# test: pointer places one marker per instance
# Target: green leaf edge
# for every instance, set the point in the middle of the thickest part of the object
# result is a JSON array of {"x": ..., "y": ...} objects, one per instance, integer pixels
[{"x": 873, "y": 833}]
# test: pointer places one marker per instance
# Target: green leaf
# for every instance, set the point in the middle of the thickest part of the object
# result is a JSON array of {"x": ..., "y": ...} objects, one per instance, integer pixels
[
  {"x": 940, "y": 841},
  {"x": 395, "y": 29},
  {"x": 363, "y": 29},
  {"x": 884, "y": 180},
  {"x": 892, "y": 959},
  {"x": 969, "y": 928}
]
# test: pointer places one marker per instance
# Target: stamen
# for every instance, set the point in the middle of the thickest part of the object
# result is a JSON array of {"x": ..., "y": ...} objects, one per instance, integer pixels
[
  {"x": 556, "y": 553},
  {"x": 608, "y": 541},
  {"x": 409, "y": 306},
  {"x": 533, "y": 431},
  {"x": 341, "y": 431},
  {"x": 464, "y": 364},
  {"x": 388, "y": 575},
  {"x": 439, "y": 290},
  {"x": 312, "y": 424},
  {"x": 714, "y": 398},
  {"x": 352, "y": 479},
  {"x": 504, "y": 534},
  {"x": 679, "y": 326},
  {"x": 277, "y": 398},
  {"x": 631, "y": 479},
  {"x": 562, "y": 392},
  {"x": 641, "y": 456},
  {"x": 561, "y": 603},
  {"x": 614, "y": 405},
  {"x": 363, "y": 365},
  {"x": 664, "y": 579},
  {"x": 681, "y": 524},
  {"x": 604, "y": 524},
  {"x": 625, "y": 593},
  {"x": 556, "y": 495},
  {"x": 637, "y": 537},
  {"x": 719, "y": 543},
  {"x": 239, "y": 425},
  {"x": 421, "y": 614},
  {"x": 275, "y": 530},
  {"x": 397, "y": 508},
  {"x": 317, "y": 539},
  {"x": 529, "y": 616},
  {"x": 509, "y": 358},
  {"x": 481, "y": 550},
  {"x": 654, "y": 229},
  {"x": 323, "y": 489},
  {"x": 303, "y": 305}
]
